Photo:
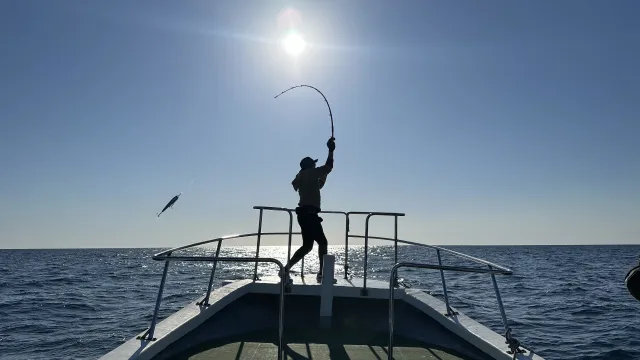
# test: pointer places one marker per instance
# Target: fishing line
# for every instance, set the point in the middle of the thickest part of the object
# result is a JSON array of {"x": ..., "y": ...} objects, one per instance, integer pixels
[{"x": 324, "y": 97}]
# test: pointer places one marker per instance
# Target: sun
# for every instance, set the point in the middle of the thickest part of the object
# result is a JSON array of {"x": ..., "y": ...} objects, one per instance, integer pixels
[{"x": 293, "y": 44}]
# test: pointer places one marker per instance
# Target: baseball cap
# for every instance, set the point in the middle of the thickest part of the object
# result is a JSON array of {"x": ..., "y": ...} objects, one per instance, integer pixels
[{"x": 308, "y": 163}]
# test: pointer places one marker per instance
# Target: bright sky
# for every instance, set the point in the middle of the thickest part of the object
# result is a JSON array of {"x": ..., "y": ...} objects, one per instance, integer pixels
[{"x": 491, "y": 122}]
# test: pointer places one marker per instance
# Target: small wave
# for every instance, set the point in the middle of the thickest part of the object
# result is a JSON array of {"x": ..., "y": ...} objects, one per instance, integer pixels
[
  {"x": 57, "y": 281},
  {"x": 19, "y": 327},
  {"x": 119, "y": 276},
  {"x": 590, "y": 311},
  {"x": 176, "y": 296},
  {"x": 522, "y": 286},
  {"x": 617, "y": 354},
  {"x": 82, "y": 307},
  {"x": 235, "y": 277}
]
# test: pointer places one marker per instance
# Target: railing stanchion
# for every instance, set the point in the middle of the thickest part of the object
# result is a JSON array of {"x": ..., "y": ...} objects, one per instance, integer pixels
[
  {"x": 255, "y": 271},
  {"x": 205, "y": 302},
  {"x": 366, "y": 253},
  {"x": 395, "y": 238},
  {"x": 444, "y": 284},
  {"x": 302, "y": 265},
  {"x": 393, "y": 275},
  {"x": 502, "y": 313},
  {"x": 346, "y": 247},
  {"x": 281, "y": 317},
  {"x": 395, "y": 243},
  {"x": 152, "y": 329},
  {"x": 290, "y": 234}
]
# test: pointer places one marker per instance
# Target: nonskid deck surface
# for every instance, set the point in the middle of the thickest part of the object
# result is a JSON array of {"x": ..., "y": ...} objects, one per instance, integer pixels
[{"x": 262, "y": 345}]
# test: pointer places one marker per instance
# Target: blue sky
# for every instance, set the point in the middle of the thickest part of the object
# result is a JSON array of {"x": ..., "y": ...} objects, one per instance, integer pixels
[{"x": 491, "y": 122}]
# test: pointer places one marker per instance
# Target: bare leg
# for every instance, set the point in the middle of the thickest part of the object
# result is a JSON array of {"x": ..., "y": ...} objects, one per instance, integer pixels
[
  {"x": 307, "y": 230},
  {"x": 322, "y": 247},
  {"x": 299, "y": 254}
]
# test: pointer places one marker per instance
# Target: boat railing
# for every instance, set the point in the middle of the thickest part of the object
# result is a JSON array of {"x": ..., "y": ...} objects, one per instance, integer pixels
[
  {"x": 366, "y": 238},
  {"x": 347, "y": 215},
  {"x": 513, "y": 343},
  {"x": 167, "y": 258},
  {"x": 493, "y": 269}
]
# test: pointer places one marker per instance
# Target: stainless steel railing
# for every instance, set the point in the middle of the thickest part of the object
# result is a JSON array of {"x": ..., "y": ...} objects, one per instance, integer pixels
[
  {"x": 167, "y": 258},
  {"x": 347, "y": 214},
  {"x": 438, "y": 249},
  {"x": 492, "y": 268},
  {"x": 366, "y": 238},
  {"x": 290, "y": 212},
  {"x": 442, "y": 268}
]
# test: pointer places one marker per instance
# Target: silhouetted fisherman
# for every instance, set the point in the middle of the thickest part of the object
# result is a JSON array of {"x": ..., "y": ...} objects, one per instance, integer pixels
[{"x": 308, "y": 182}]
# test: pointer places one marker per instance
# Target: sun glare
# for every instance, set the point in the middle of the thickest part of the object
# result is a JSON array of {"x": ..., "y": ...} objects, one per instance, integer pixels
[{"x": 293, "y": 44}]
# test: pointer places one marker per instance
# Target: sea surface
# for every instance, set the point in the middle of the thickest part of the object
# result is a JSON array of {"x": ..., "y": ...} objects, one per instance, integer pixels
[{"x": 564, "y": 302}]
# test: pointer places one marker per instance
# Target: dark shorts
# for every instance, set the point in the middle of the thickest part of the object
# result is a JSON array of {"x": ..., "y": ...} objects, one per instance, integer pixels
[{"x": 310, "y": 226}]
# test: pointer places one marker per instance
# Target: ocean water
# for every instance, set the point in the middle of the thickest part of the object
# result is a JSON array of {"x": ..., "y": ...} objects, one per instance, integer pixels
[{"x": 565, "y": 302}]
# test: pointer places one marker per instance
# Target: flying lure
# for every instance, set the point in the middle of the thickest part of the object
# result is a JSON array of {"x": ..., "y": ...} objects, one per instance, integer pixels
[{"x": 170, "y": 204}]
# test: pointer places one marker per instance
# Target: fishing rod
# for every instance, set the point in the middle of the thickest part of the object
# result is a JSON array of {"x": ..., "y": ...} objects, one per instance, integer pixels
[{"x": 324, "y": 97}]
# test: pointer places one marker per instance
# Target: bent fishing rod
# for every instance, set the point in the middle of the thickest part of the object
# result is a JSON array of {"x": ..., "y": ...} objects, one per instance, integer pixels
[{"x": 324, "y": 97}]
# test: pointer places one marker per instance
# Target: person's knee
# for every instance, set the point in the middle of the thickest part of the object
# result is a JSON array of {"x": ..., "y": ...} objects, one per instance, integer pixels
[{"x": 306, "y": 248}]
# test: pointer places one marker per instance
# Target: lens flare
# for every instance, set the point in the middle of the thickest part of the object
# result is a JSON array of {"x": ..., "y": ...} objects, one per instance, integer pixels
[{"x": 293, "y": 44}]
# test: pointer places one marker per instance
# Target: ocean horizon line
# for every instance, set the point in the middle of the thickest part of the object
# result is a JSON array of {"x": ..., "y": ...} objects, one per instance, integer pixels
[{"x": 330, "y": 245}]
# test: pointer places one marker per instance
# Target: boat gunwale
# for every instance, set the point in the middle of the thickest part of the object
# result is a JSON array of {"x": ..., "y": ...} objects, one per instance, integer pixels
[{"x": 469, "y": 330}]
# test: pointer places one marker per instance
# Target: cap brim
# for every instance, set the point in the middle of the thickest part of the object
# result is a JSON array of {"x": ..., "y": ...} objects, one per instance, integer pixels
[{"x": 315, "y": 160}]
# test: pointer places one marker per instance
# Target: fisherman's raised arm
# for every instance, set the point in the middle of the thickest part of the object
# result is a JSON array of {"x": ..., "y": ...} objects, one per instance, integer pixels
[{"x": 328, "y": 165}]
